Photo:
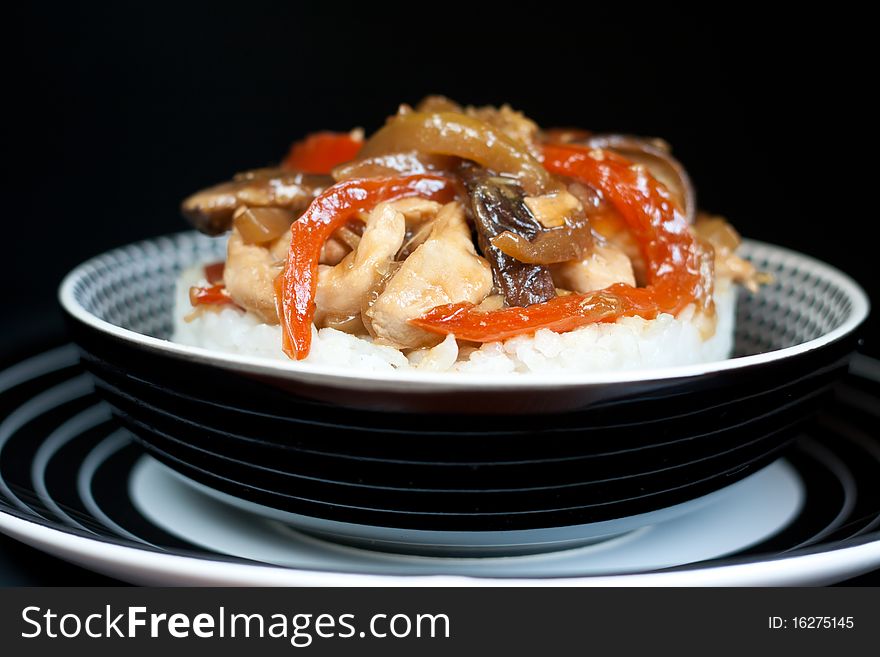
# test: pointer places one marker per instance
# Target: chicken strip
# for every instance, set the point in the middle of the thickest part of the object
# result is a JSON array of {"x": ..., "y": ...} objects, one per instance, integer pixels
[
  {"x": 604, "y": 266},
  {"x": 250, "y": 272},
  {"x": 444, "y": 269},
  {"x": 342, "y": 288}
]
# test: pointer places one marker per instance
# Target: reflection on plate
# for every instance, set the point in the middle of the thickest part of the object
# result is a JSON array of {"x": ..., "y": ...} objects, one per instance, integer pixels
[{"x": 753, "y": 510}]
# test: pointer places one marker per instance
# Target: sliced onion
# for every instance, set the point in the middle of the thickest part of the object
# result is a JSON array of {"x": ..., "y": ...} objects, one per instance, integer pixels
[
  {"x": 392, "y": 164},
  {"x": 350, "y": 237},
  {"x": 717, "y": 232},
  {"x": 262, "y": 225},
  {"x": 571, "y": 241},
  {"x": 415, "y": 239},
  {"x": 351, "y": 324},
  {"x": 462, "y": 136},
  {"x": 437, "y": 103}
]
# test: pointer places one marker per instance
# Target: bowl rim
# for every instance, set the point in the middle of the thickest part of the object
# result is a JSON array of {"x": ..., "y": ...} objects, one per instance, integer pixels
[{"x": 417, "y": 381}]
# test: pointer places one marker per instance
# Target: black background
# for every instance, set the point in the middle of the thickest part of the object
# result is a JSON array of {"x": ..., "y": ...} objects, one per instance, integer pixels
[
  {"x": 118, "y": 113},
  {"x": 115, "y": 113}
]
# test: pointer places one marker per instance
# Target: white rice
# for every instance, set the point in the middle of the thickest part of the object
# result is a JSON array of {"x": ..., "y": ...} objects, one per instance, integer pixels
[{"x": 627, "y": 344}]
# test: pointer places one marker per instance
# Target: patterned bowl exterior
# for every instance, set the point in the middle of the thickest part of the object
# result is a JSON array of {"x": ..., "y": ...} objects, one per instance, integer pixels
[{"x": 443, "y": 458}]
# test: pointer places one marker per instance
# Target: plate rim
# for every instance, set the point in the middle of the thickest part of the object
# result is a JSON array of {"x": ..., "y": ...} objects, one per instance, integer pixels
[
  {"x": 414, "y": 382},
  {"x": 811, "y": 567}
]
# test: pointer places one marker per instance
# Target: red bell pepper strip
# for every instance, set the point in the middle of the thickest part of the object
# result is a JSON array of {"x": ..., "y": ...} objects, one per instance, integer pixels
[
  {"x": 321, "y": 152},
  {"x": 296, "y": 286},
  {"x": 214, "y": 272},
  {"x": 678, "y": 272},
  {"x": 212, "y": 295}
]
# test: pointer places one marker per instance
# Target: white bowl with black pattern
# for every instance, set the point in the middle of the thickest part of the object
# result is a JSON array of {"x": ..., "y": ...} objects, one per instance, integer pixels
[{"x": 454, "y": 453}]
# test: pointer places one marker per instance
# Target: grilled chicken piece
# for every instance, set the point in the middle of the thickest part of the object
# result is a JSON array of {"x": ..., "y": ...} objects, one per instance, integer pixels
[
  {"x": 251, "y": 269},
  {"x": 604, "y": 266},
  {"x": 250, "y": 272},
  {"x": 210, "y": 210},
  {"x": 444, "y": 269},
  {"x": 341, "y": 289}
]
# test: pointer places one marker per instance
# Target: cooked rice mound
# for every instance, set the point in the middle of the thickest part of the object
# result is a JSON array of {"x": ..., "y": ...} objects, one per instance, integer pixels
[{"x": 630, "y": 343}]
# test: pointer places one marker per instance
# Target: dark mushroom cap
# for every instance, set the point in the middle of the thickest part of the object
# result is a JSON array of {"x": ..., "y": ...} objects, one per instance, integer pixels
[{"x": 210, "y": 210}]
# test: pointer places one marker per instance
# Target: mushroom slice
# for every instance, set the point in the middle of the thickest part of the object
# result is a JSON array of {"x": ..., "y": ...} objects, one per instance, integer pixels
[
  {"x": 211, "y": 210},
  {"x": 499, "y": 209}
]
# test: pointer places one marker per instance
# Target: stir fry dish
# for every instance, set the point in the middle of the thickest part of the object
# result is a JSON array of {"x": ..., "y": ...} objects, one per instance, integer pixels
[{"x": 469, "y": 222}]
